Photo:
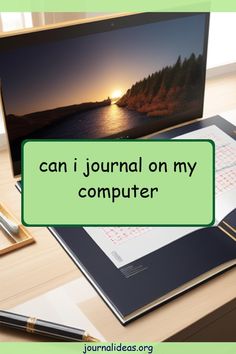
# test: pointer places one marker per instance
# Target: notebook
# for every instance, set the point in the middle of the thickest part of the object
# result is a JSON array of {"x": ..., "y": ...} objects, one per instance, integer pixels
[{"x": 135, "y": 269}]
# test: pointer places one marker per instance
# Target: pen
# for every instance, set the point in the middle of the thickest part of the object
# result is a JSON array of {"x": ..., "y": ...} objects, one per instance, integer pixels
[
  {"x": 9, "y": 234},
  {"x": 11, "y": 227},
  {"x": 49, "y": 329}
]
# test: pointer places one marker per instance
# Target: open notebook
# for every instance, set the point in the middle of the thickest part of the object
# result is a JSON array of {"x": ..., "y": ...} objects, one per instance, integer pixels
[{"x": 136, "y": 269}]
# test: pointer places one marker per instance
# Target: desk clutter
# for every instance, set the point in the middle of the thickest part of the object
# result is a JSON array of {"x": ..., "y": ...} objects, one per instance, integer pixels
[{"x": 12, "y": 234}]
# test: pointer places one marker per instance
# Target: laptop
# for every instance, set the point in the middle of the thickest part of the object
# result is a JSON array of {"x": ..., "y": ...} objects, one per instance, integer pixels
[{"x": 122, "y": 77}]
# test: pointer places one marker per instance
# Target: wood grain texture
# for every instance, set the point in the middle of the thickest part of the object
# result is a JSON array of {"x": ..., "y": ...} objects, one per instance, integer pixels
[
  {"x": 43, "y": 266},
  {"x": 22, "y": 239}
]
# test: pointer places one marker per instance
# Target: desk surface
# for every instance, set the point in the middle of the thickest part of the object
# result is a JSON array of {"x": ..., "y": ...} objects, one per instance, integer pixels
[{"x": 43, "y": 266}]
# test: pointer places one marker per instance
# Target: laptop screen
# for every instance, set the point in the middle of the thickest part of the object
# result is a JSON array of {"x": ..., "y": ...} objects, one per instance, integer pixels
[{"x": 120, "y": 78}]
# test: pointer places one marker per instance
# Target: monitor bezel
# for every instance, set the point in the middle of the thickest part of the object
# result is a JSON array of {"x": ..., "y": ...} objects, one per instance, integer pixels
[{"x": 47, "y": 34}]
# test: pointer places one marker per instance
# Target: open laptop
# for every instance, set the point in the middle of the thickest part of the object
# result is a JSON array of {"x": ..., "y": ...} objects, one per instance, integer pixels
[{"x": 121, "y": 77}]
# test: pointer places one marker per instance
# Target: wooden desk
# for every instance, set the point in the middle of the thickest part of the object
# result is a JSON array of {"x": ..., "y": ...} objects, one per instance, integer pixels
[{"x": 199, "y": 314}]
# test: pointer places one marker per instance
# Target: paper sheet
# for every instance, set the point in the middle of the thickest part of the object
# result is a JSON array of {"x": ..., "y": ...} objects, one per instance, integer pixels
[
  {"x": 63, "y": 305},
  {"x": 225, "y": 156},
  {"x": 124, "y": 245}
]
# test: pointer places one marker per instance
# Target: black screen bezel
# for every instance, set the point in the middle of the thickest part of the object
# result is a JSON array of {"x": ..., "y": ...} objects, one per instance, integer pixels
[{"x": 11, "y": 42}]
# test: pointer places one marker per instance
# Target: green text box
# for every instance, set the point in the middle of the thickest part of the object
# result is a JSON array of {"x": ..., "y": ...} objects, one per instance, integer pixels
[{"x": 153, "y": 186}]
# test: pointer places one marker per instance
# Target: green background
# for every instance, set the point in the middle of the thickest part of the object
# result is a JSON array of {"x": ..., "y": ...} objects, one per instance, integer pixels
[
  {"x": 52, "y": 198},
  {"x": 78, "y": 348},
  {"x": 117, "y": 6}
]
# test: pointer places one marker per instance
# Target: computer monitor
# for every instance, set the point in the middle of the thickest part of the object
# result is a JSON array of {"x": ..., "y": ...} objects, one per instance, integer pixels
[{"x": 124, "y": 77}]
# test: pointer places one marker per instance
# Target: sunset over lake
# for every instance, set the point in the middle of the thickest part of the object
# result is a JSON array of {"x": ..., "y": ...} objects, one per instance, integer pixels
[{"x": 117, "y": 83}]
